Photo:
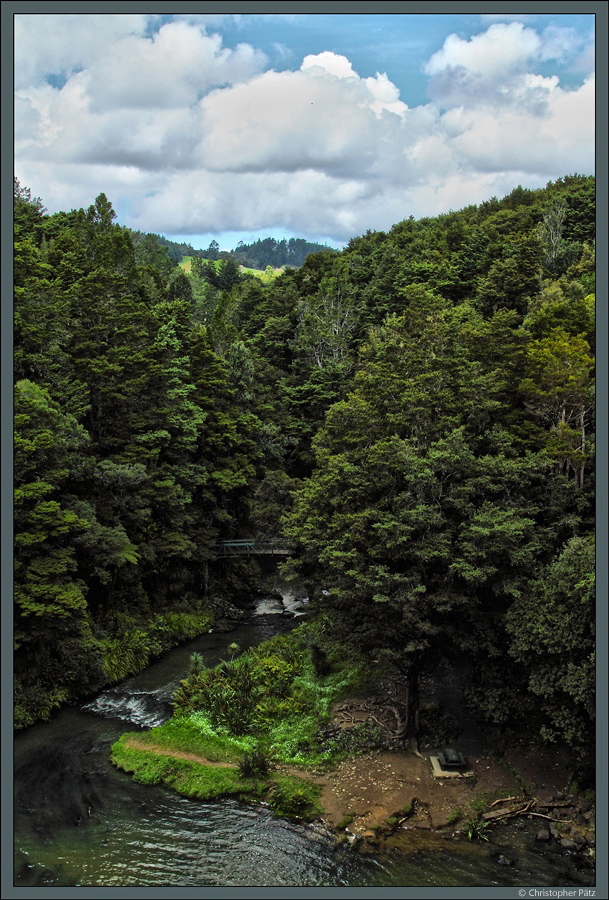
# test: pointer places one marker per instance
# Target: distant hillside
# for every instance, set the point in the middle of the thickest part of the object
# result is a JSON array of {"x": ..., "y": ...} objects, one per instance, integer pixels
[
  {"x": 259, "y": 255},
  {"x": 269, "y": 252}
]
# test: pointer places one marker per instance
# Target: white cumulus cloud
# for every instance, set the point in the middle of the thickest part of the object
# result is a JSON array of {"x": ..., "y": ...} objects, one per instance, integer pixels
[
  {"x": 57, "y": 45},
  {"x": 186, "y": 135}
]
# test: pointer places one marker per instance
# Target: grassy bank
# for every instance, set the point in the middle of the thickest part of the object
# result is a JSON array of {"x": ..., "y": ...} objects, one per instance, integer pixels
[
  {"x": 210, "y": 778},
  {"x": 235, "y": 723}
]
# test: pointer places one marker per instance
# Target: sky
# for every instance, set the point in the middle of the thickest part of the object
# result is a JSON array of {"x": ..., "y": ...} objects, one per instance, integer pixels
[{"x": 235, "y": 127}]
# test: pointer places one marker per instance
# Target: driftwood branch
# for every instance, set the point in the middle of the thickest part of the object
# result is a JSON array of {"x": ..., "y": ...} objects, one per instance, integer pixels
[
  {"x": 503, "y": 800},
  {"x": 526, "y": 810}
]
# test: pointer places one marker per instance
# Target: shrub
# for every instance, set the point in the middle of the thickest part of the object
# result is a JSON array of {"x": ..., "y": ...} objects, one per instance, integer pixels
[
  {"x": 254, "y": 764},
  {"x": 127, "y": 654},
  {"x": 196, "y": 664},
  {"x": 477, "y": 830},
  {"x": 293, "y": 798}
]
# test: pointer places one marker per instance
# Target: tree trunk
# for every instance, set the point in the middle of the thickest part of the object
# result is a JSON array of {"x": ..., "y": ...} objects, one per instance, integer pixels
[
  {"x": 413, "y": 703},
  {"x": 582, "y": 425}
]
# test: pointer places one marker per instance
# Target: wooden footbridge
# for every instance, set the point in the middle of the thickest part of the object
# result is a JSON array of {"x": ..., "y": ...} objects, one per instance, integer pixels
[{"x": 251, "y": 547}]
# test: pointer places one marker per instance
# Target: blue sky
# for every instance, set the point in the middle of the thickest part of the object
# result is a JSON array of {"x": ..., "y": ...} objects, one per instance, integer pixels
[{"x": 237, "y": 127}]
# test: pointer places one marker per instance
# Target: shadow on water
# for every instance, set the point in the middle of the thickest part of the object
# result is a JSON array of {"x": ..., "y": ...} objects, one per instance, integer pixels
[{"x": 56, "y": 788}]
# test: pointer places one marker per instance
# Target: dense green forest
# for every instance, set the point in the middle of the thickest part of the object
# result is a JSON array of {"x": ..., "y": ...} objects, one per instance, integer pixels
[{"x": 414, "y": 415}]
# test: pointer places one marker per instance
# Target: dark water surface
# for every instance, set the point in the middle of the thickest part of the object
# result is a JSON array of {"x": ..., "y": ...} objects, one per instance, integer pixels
[{"x": 81, "y": 822}]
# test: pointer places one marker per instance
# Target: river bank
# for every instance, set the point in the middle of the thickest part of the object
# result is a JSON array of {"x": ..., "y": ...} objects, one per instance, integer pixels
[
  {"x": 371, "y": 798},
  {"x": 379, "y": 795},
  {"x": 81, "y": 821},
  {"x": 374, "y": 801},
  {"x": 384, "y": 803}
]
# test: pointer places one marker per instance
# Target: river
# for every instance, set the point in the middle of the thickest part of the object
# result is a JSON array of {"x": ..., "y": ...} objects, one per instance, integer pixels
[{"x": 81, "y": 822}]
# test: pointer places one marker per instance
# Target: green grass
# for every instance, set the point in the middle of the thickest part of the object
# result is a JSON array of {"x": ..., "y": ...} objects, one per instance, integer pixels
[
  {"x": 186, "y": 777},
  {"x": 453, "y": 817},
  {"x": 287, "y": 795},
  {"x": 265, "y": 276},
  {"x": 279, "y": 703},
  {"x": 194, "y": 734},
  {"x": 294, "y": 798}
]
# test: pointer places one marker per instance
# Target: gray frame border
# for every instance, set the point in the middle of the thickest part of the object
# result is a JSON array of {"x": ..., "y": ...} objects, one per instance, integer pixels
[{"x": 8, "y": 10}]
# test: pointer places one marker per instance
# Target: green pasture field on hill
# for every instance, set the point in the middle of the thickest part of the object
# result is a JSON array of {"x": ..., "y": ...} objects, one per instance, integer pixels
[{"x": 263, "y": 274}]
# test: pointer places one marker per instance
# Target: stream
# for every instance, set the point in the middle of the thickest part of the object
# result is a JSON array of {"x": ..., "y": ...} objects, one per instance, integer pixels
[{"x": 81, "y": 822}]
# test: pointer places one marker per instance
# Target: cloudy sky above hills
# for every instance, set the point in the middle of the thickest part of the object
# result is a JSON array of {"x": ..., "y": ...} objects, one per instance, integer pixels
[{"x": 236, "y": 127}]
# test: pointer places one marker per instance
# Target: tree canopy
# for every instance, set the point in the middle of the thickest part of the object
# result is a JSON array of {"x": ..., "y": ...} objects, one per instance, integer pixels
[{"x": 414, "y": 414}]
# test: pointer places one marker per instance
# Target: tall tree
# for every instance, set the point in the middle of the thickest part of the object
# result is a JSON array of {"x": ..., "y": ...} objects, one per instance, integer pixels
[
  {"x": 552, "y": 635},
  {"x": 54, "y": 655},
  {"x": 421, "y": 520}
]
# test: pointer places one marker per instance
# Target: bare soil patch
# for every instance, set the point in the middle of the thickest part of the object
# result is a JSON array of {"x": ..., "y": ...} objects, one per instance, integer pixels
[
  {"x": 379, "y": 786},
  {"x": 383, "y": 787}
]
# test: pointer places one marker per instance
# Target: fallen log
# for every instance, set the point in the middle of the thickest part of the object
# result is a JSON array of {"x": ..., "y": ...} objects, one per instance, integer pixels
[{"x": 506, "y": 813}]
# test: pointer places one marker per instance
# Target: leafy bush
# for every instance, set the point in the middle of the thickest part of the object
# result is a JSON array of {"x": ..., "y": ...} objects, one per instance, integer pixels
[
  {"x": 196, "y": 664},
  {"x": 127, "y": 654},
  {"x": 270, "y": 692},
  {"x": 33, "y": 702},
  {"x": 254, "y": 764}
]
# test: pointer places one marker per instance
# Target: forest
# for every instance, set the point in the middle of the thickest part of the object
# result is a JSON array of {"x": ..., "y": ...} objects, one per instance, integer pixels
[{"x": 413, "y": 416}]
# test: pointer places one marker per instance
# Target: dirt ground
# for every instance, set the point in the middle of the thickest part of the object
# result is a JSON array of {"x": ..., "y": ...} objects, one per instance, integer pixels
[
  {"x": 377, "y": 786},
  {"x": 368, "y": 790}
]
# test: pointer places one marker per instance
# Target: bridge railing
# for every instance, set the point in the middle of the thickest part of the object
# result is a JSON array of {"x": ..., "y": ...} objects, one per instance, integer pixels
[{"x": 251, "y": 547}]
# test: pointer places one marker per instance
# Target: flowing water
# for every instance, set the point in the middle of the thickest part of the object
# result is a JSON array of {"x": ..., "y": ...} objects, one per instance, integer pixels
[{"x": 81, "y": 822}]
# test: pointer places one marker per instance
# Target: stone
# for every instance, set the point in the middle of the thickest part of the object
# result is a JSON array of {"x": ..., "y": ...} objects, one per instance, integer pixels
[
  {"x": 543, "y": 834},
  {"x": 504, "y": 861},
  {"x": 568, "y": 844},
  {"x": 369, "y": 839}
]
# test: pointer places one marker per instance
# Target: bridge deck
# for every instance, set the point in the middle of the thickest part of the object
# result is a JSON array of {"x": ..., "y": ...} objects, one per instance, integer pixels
[{"x": 250, "y": 548}]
